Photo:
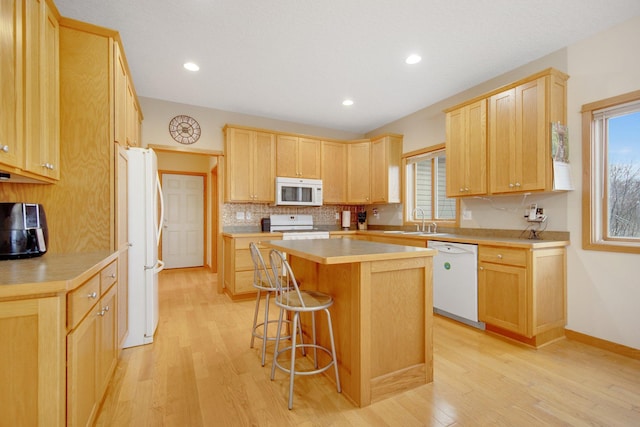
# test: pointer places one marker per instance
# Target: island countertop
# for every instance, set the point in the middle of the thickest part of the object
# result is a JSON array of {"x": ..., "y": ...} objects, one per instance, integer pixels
[{"x": 342, "y": 251}]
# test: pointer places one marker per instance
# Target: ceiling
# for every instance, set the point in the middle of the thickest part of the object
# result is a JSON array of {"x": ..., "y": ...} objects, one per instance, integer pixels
[{"x": 296, "y": 60}]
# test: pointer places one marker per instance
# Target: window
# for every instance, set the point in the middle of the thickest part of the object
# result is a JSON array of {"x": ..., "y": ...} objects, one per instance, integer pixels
[
  {"x": 611, "y": 163},
  {"x": 425, "y": 177}
]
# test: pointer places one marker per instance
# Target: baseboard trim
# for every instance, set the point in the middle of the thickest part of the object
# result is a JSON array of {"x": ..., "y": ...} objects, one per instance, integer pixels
[{"x": 623, "y": 350}]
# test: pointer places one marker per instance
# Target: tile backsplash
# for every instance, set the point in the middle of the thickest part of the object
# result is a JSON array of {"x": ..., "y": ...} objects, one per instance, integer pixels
[{"x": 250, "y": 214}]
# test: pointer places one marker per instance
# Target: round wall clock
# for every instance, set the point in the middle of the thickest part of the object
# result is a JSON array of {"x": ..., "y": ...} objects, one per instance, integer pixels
[{"x": 184, "y": 129}]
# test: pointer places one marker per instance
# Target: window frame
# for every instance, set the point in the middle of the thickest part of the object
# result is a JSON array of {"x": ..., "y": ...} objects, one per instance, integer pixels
[
  {"x": 594, "y": 216},
  {"x": 408, "y": 207}
]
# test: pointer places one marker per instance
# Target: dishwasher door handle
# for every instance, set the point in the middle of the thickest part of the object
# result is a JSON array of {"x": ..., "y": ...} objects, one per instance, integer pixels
[{"x": 450, "y": 249}]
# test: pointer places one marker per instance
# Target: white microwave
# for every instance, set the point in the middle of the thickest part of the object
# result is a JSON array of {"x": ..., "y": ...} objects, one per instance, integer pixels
[{"x": 298, "y": 192}]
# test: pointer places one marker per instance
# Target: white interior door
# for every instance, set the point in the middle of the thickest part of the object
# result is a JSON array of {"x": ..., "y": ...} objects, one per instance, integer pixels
[{"x": 183, "y": 234}]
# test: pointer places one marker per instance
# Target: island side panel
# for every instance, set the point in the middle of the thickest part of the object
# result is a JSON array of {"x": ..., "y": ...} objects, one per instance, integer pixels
[{"x": 401, "y": 320}]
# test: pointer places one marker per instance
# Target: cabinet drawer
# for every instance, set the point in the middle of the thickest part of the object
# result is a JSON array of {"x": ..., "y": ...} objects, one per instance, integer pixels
[
  {"x": 244, "y": 261},
  {"x": 498, "y": 255},
  {"x": 243, "y": 242},
  {"x": 80, "y": 301},
  {"x": 108, "y": 276}
]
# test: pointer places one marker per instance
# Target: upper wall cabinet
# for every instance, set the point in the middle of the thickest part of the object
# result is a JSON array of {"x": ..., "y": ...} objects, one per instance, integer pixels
[
  {"x": 359, "y": 173},
  {"x": 11, "y": 76},
  {"x": 386, "y": 156},
  {"x": 29, "y": 73},
  {"x": 334, "y": 172},
  {"x": 466, "y": 149},
  {"x": 250, "y": 165},
  {"x": 298, "y": 157},
  {"x": 127, "y": 117},
  {"x": 518, "y": 127}
]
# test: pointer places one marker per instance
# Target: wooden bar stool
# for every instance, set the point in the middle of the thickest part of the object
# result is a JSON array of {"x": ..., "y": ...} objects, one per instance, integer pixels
[
  {"x": 263, "y": 281},
  {"x": 291, "y": 299}
]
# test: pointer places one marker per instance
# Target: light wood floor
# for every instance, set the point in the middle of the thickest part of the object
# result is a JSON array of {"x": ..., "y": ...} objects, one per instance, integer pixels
[{"x": 200, "y": 371}]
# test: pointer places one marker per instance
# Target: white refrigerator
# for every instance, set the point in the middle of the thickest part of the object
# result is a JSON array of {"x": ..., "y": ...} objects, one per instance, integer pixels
[{"x": 145, "y": 219}]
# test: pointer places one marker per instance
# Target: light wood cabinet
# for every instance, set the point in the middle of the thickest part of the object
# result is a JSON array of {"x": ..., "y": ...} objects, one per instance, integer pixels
[
  {"x": 91, "y": 345},
  {"x": 466, "y": 148},
  {"x": 359, "y": 173},
  {"x": 42, "y": 134},
  {"x": 386, "y": 157},
  {"x": 32, "y": 362},
  {"x": 119, "y": 97},
  {"x": 11, "y": 78},
  {"x": 238, "y": 265},
  {"x": 519, "y": 134},
  {"x": 298, "y": 157},
  {"x": 522, "y": 292},
  {"x": 29, "y": 73},
  {"x": 122, "y": 241},
  {"x": 250, "y": 166},
  {"x": 334, "y": 172}
]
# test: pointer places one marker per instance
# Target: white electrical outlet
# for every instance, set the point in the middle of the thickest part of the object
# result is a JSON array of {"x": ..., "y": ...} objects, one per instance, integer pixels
[
  {"x": 466, "y": 214},
  {"x": 240, "y": 215},
  {"x": 247, "y": 215},
  {"x": 337, "y": 216}
]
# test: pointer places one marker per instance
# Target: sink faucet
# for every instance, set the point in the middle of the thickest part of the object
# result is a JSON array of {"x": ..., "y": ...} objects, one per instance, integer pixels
[
  {"x": 421, "y": 215},
  {"x": 435, "y": 227}
]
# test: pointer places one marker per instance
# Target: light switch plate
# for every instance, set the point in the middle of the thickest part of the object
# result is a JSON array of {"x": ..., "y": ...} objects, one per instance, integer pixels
[
  {"x": 239, "y": 215},
  {"x": 466, "y": 214}
]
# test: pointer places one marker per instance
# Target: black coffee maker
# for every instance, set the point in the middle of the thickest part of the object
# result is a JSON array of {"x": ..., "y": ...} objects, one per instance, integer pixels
[{"x": 23, "y": 230}]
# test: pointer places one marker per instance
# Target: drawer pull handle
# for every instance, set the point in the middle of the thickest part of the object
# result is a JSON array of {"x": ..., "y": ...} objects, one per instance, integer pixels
[
  {"x": 101, "y": 313},
  {"x": 4, "y": 148},
  {"x": 499, "y": 256},
  {"x": 93, "y": 295},
  {"x": 113, "y": 275}
]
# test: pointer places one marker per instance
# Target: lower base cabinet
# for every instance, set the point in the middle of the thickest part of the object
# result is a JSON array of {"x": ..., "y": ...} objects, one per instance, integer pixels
[
  {"x": 32, "y": 362},
  {"x": 92, "y": 347},
  {"x": 522, "y": 292},
  {"x": 238, "y": 265}
]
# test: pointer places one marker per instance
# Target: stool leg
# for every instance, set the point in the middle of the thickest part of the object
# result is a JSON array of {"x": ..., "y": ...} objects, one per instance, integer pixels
[
  {"x": 266, "y": 324},
  {"x": 333, "y": 350},
  {"x": 275, "y": 351},
  {"x": 255, "y": 319},
  {"x": 315, "y": 350},
  {"x": 292, "y": 371}
]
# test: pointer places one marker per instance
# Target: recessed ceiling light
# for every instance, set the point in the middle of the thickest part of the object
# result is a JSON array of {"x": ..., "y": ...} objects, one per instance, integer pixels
[
  {"x": 347, "y": 102},
  {"x": 191, "y": 66},
  {"x": 413, "y": 59}
]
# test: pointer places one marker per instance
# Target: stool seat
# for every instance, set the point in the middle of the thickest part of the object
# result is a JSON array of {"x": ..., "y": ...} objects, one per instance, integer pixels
[{"x": 289, "y": 298}]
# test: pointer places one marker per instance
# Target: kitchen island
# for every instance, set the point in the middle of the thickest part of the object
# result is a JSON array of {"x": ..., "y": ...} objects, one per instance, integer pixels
[{"x": 382, "y": 312}]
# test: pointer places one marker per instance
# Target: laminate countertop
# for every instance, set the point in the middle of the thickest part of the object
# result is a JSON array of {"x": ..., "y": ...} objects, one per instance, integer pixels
[
  {"x": 342, "y": 251},
  {"x": 50, "y": 273}
]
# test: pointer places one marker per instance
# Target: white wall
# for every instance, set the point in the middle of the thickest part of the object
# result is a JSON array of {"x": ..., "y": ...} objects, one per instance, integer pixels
[
  {"x": 604, "y": 287},
  {"x": 158, "y": 113}
]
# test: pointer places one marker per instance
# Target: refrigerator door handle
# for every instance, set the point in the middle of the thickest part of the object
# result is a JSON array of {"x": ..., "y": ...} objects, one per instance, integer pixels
[{"x": 159, "y": 232}]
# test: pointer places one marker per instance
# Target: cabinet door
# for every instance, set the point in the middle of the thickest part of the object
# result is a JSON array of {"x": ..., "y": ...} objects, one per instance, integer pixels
[
  {"x": 309, "y": 158},
  {"x": 264, "y": 168},
  {"x": 359, "y": 173},
  {"x": 107, "y": 344},
  {"x": 502, "y": 298},
  {"x": 32, "y": 362},
  {"x": 287, "y": 156},
  {"x": 334, "y": 172},
  {"x": 41, "y": 31},
  {"x": 467, "y": 150},
  {"x": 518, "y": 139},
  {"x": 531, "y": 137},
  {"x": 386, "y": 157},
  {"x": 82, "y": 365},
  {"x": 122, "y": 241},
  {"x": 11, "y": 84},
  {"x": 119, "y": 96},
  {"x": 238, "y": 157}
]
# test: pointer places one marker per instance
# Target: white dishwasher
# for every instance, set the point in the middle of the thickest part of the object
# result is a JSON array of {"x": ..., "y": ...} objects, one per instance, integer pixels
[{"x": 455, "y": 281}]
